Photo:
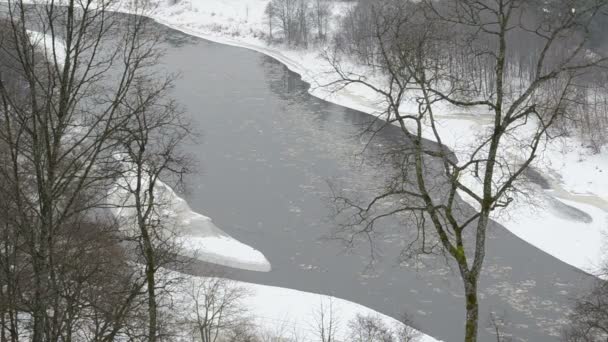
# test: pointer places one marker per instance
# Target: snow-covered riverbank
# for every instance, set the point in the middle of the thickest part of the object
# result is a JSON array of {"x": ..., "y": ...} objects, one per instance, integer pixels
[
  {"x": 285, "y": 313},
  {"x": 567, "y": 219},
  {"x": 198, "y": 237}
]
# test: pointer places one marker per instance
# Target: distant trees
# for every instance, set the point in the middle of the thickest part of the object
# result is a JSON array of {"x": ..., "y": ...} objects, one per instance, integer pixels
[
  {"x": 270, "y": 17},
  {"x": 587, "y": 116},
  {"x": 295, "y": 20},
  {"x": 464, "y": 55},
  {"x": 321, "y": 14}
]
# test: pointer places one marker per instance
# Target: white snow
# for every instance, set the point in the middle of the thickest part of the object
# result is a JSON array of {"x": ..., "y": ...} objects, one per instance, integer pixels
[
  {"x": 280, "y": 306},
  {"x": 574, "y": 174},
  {"x": 287, "y": 312},
  {"x": 222, "y": 249},
  {"x": 54, "y": 48},
  {"x": 555, "y": 230}
]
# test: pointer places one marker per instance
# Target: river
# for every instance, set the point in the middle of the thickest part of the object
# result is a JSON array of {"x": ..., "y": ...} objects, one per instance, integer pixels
[{"x": 267, "y": 154}]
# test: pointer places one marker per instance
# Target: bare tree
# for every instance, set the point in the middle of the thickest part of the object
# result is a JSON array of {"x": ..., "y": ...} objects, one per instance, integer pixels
[
  {"x": 293, "y": 18},
  {"x": 149, "y": 154},
  {"x": 285, "y": 11},
  {"x": 404, "y": 332},
  {"x": 461, "y": 55},
  {"x": 498, "y": 324},
  {"x": 269, "y": 11},
  {"x": 589, "y": 320},
  {"x": 326, "y": 320},
  {"x": 303, "y": 23},
  {"x": 217, "y": 310},
  {"x": 245, "y": 332},
  {"x": 369, "y": 329},
  {"x": 68, "y": 71}
]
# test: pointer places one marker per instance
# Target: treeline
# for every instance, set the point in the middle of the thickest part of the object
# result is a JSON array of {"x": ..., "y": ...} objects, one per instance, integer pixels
[
  {"x": 298, "y": 22},
  {"x": 459, "y": 52}
]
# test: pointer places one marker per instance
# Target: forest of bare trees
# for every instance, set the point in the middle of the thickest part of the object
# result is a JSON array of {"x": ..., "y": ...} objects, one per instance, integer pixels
[
  {"x": 586, "y": 116},
  {"x": 82, "y": 110}
]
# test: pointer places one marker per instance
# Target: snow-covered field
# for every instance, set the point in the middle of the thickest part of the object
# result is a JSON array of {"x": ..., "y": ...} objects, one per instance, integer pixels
[{"x": 567, "y": 220}]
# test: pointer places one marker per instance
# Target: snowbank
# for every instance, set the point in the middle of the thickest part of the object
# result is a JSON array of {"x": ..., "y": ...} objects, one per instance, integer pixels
[
  {"x": 276, "y": 305},
  {"x": 285, "y": 312},
  {"x": 197, "y": 235}
]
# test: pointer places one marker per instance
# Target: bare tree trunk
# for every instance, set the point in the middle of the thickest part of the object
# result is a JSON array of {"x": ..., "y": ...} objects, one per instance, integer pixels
[
  {"x": 151, "y": 283},
  {"x": 472, "y": 307}
]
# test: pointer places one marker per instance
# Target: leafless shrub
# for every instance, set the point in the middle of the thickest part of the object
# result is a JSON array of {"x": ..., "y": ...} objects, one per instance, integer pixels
[
  {"x": 217, "y": 311},
  {"x": 588, "y": 321},
  {"x": 371, "y": 328}
]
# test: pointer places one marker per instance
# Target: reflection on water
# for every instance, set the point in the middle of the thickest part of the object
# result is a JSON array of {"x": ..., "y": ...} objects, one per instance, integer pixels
[{"x": 269, "y": 150}]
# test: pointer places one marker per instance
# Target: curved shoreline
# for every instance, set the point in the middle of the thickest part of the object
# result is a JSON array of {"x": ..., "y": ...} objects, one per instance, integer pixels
[{"x": 525, "y": 227}]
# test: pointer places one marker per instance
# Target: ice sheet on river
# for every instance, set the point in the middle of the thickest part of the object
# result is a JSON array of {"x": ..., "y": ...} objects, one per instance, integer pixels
[{"x": 197, "y": 235}]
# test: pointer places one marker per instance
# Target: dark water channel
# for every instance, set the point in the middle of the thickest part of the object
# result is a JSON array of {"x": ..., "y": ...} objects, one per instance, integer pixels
[{"x": 267, "y": 152}]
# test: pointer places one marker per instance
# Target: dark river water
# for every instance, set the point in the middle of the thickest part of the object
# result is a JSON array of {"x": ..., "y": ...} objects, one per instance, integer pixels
[{"x": 267, "y": 153}]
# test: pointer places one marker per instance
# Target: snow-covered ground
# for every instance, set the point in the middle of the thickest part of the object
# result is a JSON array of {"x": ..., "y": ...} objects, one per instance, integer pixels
[
  {"x": 285, "y": 312},
  {"x": 567, "y": 220}
]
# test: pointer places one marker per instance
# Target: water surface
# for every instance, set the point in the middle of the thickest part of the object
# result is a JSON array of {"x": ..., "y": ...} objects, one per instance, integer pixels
[{"x": 267, "y": 153}]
